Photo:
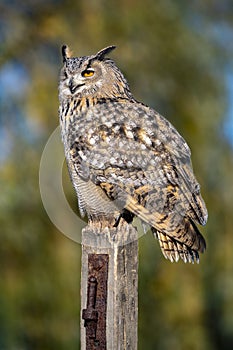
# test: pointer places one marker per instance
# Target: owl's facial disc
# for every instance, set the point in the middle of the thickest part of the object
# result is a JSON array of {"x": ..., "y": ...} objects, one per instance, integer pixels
[{"x": 82, "y": 79}]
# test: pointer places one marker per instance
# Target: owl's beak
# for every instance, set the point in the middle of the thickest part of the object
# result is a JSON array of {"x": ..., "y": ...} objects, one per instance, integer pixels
[{"x": 74, "y": 87}]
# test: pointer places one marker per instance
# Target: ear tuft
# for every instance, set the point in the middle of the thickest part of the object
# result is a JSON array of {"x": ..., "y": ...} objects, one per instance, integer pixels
[
  {"x": 66, "y": 52},
  {"x": 102, "y": 53}
]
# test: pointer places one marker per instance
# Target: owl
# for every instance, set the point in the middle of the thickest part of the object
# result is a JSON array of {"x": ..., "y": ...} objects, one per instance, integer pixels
[{"x": 125, "y": 159}]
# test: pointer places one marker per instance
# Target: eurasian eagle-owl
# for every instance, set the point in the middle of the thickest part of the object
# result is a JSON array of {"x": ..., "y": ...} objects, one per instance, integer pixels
[{"x": 125, "y": 159}]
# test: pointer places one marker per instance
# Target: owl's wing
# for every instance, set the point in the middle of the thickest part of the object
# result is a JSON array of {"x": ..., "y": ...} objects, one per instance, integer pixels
[{"x": 147, "y": 170}]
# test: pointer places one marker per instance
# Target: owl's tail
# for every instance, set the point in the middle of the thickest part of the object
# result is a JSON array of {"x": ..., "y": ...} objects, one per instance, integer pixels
[
  {"x": 178, "y": 237},
  {"x": 187, "y": 248}
]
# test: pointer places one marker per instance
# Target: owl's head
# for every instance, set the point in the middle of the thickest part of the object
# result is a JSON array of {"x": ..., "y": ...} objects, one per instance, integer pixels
[{"x": 91, "y": 76}]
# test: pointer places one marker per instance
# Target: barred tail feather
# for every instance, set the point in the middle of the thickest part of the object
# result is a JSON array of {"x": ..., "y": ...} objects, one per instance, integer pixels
[
  {"x": 174, "y": 250},
  {"x": 179, "y": 237}
]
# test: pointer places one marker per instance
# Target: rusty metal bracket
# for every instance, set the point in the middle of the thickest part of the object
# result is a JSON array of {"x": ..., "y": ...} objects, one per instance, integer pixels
[
  {"x": 95, "y": 314},
  {"x": 90, "y": 314}
]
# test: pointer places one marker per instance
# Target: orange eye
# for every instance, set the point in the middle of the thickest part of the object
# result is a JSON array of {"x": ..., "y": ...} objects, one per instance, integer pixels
[{"x": 87, "y": 73}]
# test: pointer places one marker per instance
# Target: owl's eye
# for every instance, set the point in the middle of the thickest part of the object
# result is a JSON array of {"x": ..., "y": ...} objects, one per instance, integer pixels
[{"x": 87, "y": 73}]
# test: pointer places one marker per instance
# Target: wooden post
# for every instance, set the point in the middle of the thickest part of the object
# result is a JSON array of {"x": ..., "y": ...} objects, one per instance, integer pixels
[{"x": 109, "y": 288}]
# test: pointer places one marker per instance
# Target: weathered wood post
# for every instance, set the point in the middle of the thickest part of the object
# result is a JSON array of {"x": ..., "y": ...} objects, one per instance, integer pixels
[{"x": 109, "y": 288}]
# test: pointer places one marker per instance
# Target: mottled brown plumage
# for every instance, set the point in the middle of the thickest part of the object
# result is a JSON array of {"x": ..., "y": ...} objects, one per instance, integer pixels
[{"x": 125, "y": 159}]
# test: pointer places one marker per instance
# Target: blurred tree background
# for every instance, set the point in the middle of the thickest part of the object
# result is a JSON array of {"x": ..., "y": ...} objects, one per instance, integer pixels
[{"x": 177, "y": 56}]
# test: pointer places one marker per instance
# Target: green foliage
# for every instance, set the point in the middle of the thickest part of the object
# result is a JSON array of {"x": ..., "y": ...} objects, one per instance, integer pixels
[{"x": 176, "y": 60}]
